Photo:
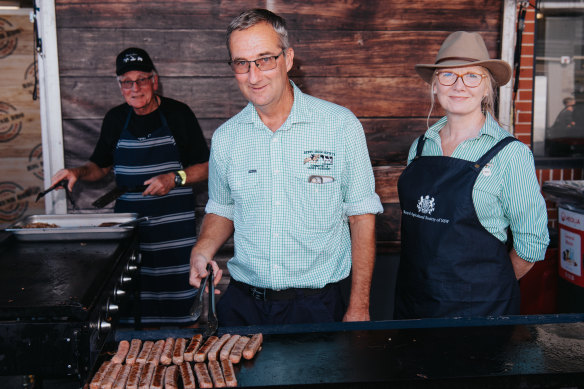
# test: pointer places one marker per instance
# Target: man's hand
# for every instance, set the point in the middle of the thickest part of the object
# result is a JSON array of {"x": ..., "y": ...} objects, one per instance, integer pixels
[
  {"x": 199, "y": 270},
  {"x": 159, "y": 185},
  {"x": 357, "y": 314},
  {"x": 68, "y": 174}
]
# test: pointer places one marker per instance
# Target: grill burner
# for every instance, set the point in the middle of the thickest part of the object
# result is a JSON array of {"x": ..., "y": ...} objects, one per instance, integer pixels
[{"x": 59, "y": 303}]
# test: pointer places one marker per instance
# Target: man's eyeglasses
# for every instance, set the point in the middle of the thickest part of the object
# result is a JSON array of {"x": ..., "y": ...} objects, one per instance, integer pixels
[
  {"x": 241, "y": 66},
  {"x": 471, "y": 80},
  {"x": 129, "y": 84}
]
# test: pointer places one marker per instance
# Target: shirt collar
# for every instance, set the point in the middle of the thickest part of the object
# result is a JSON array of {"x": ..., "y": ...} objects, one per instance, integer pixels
[{"x": 489, "y": 128}]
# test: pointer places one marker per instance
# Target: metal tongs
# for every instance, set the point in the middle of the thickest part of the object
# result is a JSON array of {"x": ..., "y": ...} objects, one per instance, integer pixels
[
  {"x": 197, "y": 308},
  {"x": 61, "y": 184}
]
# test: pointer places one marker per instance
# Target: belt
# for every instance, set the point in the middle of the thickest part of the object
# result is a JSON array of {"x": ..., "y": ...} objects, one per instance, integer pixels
[{"x": 266, "y": 294}]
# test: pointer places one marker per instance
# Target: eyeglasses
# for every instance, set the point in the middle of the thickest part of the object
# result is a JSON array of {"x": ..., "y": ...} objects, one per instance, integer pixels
[
  {"x": 241, "y": 66},
  {"x": 129, "y": 84},
  {"x": 471, "y": 80}
]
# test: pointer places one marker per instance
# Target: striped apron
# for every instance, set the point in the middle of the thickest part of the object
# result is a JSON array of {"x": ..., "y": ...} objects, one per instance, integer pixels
[{"x": 166, "y": 240}]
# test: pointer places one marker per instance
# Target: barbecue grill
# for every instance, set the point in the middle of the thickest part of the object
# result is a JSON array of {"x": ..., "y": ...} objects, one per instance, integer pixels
[
  {"x": 543, "y": 351},
  {"x": 59, "y": 303}
]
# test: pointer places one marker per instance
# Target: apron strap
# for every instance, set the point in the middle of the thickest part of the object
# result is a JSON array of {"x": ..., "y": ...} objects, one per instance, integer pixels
[
  {"x": 481, "y": 162},
  {"x": 421, "y": 141}
]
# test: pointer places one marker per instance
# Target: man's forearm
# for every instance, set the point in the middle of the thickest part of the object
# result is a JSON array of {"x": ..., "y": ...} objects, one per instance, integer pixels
[
  {"x": 197, "y": 173},
  {"x": 215, "y": 231},
  {"x": 363, "y": 253}
]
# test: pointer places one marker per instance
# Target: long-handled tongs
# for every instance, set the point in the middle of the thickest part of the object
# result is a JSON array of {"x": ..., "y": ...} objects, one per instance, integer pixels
[
  {"x": 197, "y": 307},
  {"x": 61, "y": 184},
  {"x": 212, "y": 322}
]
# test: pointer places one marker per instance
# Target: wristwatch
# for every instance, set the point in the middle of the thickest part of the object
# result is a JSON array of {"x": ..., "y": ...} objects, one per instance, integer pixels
[{"x": 180, "y": 178}]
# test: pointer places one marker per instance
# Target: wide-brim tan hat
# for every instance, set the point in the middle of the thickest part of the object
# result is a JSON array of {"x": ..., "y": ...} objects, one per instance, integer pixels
[{"x": 461, "y": 49}]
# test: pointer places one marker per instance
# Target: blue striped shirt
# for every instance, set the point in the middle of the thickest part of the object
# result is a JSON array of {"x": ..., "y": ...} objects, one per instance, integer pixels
[
  {"x": 289, "y": 230},
  {"x": 506, "y": 193}
]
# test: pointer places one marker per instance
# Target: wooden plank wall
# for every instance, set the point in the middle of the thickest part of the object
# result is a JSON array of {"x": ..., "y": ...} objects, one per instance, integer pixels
[
  {"x": 359, "y": 54},
  {"x": 21, "y": 167}
]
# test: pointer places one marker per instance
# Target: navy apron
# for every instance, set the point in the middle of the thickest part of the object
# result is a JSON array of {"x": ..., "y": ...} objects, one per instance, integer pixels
[
  {"x": 167, "y": 238},
  {"x": 450, "y": 264}
]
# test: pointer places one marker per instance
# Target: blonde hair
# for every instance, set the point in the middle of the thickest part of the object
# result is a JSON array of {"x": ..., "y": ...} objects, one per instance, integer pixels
[{"x": 487, "y": 104}]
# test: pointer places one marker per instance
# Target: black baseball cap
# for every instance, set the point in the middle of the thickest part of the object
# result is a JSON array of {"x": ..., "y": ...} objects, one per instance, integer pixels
[{"x": 133, "y": 58}]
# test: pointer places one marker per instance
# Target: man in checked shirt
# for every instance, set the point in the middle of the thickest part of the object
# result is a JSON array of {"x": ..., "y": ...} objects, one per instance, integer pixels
[{"x": 301, "y": 223}]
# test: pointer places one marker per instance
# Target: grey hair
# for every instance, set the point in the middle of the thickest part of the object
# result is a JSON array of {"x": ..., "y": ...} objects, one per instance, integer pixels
[
  {"x": 251, "y": 17},
  {"x": 487, "y": 105}
]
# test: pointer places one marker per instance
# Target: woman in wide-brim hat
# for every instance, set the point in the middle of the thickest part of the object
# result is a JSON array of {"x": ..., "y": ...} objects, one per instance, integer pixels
[{"x": 467, "y": 184}]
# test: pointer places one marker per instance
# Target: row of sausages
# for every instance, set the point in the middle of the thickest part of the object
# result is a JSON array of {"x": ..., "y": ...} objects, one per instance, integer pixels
[{"x": 158, "y": 365}]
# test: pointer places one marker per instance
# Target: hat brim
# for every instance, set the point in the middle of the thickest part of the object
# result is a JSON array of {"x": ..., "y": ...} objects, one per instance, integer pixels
[
  {"x": 146, "y": 68},
  {"x": 500, "y": 69}
]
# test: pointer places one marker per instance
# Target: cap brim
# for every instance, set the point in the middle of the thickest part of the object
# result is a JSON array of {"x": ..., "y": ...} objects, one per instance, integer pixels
[{"x": 500, "y": 69}]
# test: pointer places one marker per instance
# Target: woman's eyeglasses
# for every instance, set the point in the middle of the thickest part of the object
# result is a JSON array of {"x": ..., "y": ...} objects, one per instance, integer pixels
[{"x": 471, "y": 80}]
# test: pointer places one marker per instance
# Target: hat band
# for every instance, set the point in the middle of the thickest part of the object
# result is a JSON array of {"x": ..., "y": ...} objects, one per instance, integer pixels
[{"x": 457, "y": 59}]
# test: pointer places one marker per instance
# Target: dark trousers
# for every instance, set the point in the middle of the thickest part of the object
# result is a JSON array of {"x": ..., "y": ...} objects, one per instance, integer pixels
[{"x": 238, "y": 308}]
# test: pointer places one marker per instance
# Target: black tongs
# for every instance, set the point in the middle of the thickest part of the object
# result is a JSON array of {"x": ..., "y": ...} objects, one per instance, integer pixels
[
  {"x": 197, "y": 308},
  {"x": 61, "y": 184}
]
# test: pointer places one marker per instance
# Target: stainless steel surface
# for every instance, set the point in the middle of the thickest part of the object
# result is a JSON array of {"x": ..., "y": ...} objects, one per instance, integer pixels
[{"x": 74, "y": 227}]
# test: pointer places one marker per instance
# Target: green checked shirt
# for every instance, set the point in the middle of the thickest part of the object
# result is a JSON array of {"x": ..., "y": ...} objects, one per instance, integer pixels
[
  {"x": 506, "y": 193},
  {"x": 290, "y": 192}
]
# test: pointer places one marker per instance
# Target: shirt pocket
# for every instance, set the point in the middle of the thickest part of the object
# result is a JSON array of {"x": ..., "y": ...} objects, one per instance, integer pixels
[
  {"x": 321, "y": 204},
  {"x": 244, "y": 185}
]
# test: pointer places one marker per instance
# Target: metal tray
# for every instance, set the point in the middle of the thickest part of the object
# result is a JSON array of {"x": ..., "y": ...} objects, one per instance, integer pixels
[{"x": 74, "y": 227}]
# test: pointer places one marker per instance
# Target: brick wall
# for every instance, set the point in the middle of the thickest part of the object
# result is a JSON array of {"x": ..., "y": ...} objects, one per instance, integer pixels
[
  {"x": 539, "y": 286},
  {"x": 524, "y": 111}
]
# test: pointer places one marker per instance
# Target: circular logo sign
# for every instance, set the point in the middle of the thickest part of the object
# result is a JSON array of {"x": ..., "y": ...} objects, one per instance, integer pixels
[
  {"x": 14, "y": 200},
  {"x": 10, "y": 122},
  {"x": 8, "y": 38},
  {"x": 35, "y": 161}
]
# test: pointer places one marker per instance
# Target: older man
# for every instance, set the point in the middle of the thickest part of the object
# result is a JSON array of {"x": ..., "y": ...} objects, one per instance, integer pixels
[
  {"x": 154, "y": 141},
  {"x": 290, "y": 176}
]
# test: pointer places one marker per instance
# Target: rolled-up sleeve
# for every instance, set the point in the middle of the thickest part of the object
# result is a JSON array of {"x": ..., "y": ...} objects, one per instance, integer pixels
[
  {"x": 220, "y": 200},
  {"x": 359, "y": 182},
  {"x": 525, "y": 207}
]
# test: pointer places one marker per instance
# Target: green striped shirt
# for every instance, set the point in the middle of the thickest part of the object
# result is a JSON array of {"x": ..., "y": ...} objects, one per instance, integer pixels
[
  {"x": 506, "y": 193},
  {"x": 291, "y": 231}
]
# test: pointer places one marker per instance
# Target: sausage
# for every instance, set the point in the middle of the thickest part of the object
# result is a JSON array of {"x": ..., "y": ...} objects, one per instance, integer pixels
[
  {"x": 146, "y": 349},
  {"x": 201, "y": 353},
  {"x": 134, "y": 350},
  {"x": 146, "y": 376},
  {"x": 166, "y": 356},
  {"x": 228, "y": 373},
  {"x": 213, "y": 353},
  {"x": 110, "y": 376},
  {"x": 120, "y": 382},
  {"x": 226, "y": 350},
  {"x": 134, "y": 377},
  {"x": 196, "y": 342},
  {"x": 171, "y": 377},
  {"x": 253, "y": 346},
  {"x": 178, "y": 352},
  {"x": 216, "y": 374},
  {"x": 158, "y": 378},
  {"x": 156, "y": 352},
  {"x": 123, "y": 349},
  {"x": 99, "y": 375},
  {"x": 203, "y": 375},
  {"x": 237, "y": 350},
  {"x": 187, "y": 376}
]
